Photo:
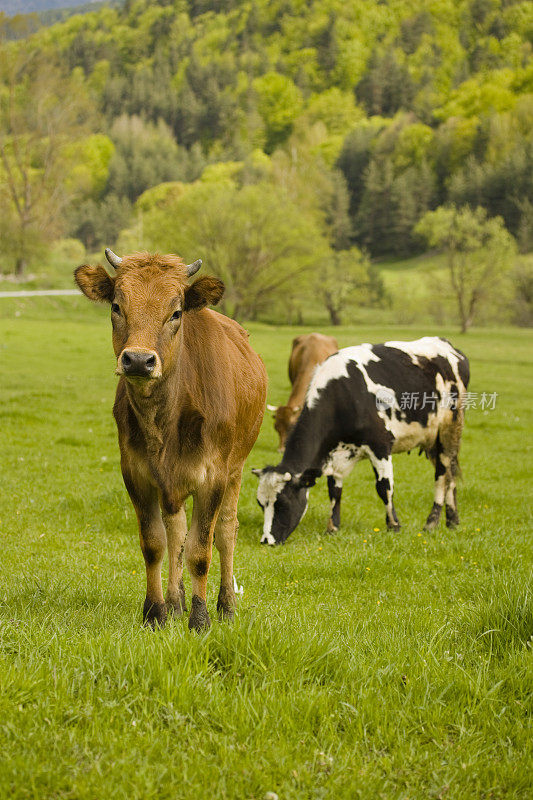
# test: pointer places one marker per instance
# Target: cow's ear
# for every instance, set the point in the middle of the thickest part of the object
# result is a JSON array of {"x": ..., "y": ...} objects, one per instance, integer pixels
[
  {"x": 95, "y": 282},
  {"x": 203, "y": 292},
  {"x": 308, "y": 478}
]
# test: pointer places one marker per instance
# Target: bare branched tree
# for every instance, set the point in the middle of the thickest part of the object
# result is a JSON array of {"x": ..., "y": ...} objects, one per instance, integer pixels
[{"x": 41, "y": 113}]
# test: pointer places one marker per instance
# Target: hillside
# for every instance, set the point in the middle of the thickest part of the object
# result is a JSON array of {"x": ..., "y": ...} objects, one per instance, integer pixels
[
  {"x": 363, "y": 115},
  {"x": 13, "y": 7}
]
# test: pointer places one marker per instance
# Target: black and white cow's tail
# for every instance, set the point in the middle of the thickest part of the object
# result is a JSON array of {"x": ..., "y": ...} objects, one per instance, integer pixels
[{"x": 445, "y": 457}]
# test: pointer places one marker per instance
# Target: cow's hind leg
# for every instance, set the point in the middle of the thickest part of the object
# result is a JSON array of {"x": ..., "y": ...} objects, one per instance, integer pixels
[
  {"x": 199, "y": 549},
  {"x": 225, "y": 538},
  {"x": 335, "y": 494},
  {"x": 440, "y": 462},
  {"x": 452, "y": 516},
  {"x": 445, "y": 460},
  {"x": 385, "y": 487},
  {"x": 176, "y": 528}
]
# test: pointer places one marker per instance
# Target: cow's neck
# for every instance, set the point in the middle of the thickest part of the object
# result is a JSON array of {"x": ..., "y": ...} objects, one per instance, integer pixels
[
  {"x": 309, "y": 444},
  {"x": 147, "y": 402},
  {"x": 153, "y": 403},
  {"x": 170, "y": 408}
]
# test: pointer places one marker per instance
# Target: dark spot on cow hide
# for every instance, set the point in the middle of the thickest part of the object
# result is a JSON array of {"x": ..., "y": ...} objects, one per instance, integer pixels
[
  {"x": 151, "y": 555},
  {"x": 382, "y": 488},
  {"x": 200, "y": 567},
  {"x": 190, "y": 430}
]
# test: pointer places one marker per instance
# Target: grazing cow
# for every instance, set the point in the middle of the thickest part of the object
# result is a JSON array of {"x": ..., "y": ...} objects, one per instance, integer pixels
[
  {"x": 188, "y": 408},
  {"x": 371, "y": 401},
  {"x": 308, "y": 351}
]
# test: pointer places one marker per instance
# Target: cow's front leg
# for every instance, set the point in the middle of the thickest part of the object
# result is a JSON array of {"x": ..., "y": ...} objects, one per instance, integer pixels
[
  {"x": 198, "y": 551},
  {"x": 153, "y": 545},
  {"x": 225, "y": 538},
  {"x": 385, "y": 487},
  {"x": 176, "y": 528},
  {"x": 153, "y": 542},
  {"x": 335, "y": 494}
]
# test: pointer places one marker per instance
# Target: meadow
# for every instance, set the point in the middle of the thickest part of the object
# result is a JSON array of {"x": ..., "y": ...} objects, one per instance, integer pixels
[{"x": 367, "y": 664}]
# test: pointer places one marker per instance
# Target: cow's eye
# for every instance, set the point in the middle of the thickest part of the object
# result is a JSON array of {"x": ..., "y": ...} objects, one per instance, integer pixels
[
  {"x": 176, "y": 315},
  {"x": 115, "y": 308}
]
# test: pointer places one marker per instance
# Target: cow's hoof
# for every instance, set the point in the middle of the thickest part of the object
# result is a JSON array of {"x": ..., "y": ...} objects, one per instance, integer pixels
[
  {"x": 331, "y": 528},
  {"x": 226, "y": 604},
  {"x": 431, "y": 523},
  {"x": 154, "y": 614},
  {"x": 199, "y": 620},
  {"x": 393, "y": 527},
  {"x": 175, "y": 601},
  {"x": 452, "y": 517},
  {"x": 176, "y": 606},
  {"x": 433, "y": 519}
]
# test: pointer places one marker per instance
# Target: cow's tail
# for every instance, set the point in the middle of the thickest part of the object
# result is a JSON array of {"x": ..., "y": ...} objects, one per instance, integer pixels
[{"x": 454, "y": 438}]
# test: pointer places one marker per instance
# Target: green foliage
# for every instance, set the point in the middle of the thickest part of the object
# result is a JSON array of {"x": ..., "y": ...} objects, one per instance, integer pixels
[
  {"x": 347, "y": 279},
  {"x": 386, "y": 86},
  {"x": 144, "y": 156},
  {"x": 480, "y": 96},
  {"x": 255, "y": 238},
  {"x": 417, "y": 107},
  {"x": 523, "y": 299},
  {"x": 90, "y": 158},
  {"x": 41, "y": 112},
  {"x": 395, "y": 192},
  {"x": 279, "y": 103},
  {"x": 96, "y": 223},
  {"x": 479, "y": 252}
]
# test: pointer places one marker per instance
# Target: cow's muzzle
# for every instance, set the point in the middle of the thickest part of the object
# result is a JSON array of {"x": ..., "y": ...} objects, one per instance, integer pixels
[{"x": 135, "y": 362}]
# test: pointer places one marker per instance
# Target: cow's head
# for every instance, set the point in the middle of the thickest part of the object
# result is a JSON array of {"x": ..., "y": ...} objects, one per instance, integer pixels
[
  {"x": 283, "y": 498},
  {"x": 284, "y": 420},
  {"x": 148, "y": 295}
]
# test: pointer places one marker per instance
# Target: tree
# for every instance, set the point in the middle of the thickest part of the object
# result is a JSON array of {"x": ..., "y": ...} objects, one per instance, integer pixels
[
  {"x": 347, "y": 278},
  {"x": 386, "y": 86},
  {"x": 255, "y": 238},
  {"x": 98, "y": 223},
  {"x": 479, "y": 252},
  {"x": 145, "y": 155},
  {"x": 279, "y": 102},
  {"x": 41, "y": 113}
]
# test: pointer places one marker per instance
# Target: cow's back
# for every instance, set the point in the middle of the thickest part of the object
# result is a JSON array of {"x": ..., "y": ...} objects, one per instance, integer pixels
[
  {"x": 308, "y": 350},
  {"x": 402, "y": 392},
  {"x": 226, "y": 376}
]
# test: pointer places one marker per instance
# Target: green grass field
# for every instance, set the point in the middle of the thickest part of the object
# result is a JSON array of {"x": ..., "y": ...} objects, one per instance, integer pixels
[{"x": 361, "y": 665}]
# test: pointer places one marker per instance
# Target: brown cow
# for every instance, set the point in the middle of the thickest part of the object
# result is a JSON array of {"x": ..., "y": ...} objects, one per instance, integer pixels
[
  {"x": 308, "y": 351},
  {"x": 188, "y": 408}
]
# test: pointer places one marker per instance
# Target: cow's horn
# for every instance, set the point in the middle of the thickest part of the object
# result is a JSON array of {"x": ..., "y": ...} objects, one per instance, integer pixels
[
  {"x": 194, "y": 267},
  {"x": 113, "y": 259}
]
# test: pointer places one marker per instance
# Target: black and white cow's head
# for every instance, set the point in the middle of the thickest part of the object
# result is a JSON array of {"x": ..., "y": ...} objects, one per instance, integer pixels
[{"x": 283, "y": 498}]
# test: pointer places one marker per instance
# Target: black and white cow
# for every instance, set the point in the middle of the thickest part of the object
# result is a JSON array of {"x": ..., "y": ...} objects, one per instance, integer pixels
[{"x": 370, "y": 401}]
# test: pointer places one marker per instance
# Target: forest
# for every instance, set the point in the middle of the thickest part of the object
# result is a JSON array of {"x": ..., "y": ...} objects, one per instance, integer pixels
[{"x": 295, "y": 146}]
